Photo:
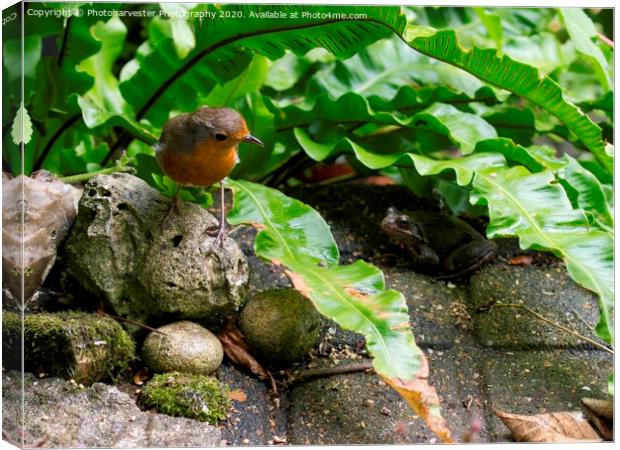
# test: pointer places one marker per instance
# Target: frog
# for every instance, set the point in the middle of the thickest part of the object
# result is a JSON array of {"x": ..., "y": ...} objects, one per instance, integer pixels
[{"x": 440, "y": 244}]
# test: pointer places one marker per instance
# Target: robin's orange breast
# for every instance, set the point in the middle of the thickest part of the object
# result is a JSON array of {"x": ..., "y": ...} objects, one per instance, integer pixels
[{"x": 206, "y": 165}]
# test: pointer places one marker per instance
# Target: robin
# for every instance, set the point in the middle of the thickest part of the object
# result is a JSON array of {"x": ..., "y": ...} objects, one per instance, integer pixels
[{"x": 199, "y": 149}]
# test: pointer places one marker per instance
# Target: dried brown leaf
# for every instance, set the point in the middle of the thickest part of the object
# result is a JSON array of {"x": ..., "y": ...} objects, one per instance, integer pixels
[
  {"x": 424, "y": 400},
  {"x": 601, "y": 414},
  {"x": 279, "y": 440},
  {"x": 565, "y": 426},
  {"x": 521, "y": 260},
  {"x": 602, "y": 408},
  {"x": 140, "y": 377},
  {"x": 238, "y": 395},
  {"x": 237, "y": 350}
]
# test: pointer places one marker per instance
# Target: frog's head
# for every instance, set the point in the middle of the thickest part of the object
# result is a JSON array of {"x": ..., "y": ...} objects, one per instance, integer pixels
[
  {"x": 403, "y": 230},
  {"x": 400, "y": 228}
]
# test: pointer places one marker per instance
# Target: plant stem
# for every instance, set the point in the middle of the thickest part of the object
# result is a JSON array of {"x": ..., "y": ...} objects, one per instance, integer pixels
[
  {"x": 554, "y": 324},
  {"x": 605, "y": 39},
  {"x": 87, "y": 176}
]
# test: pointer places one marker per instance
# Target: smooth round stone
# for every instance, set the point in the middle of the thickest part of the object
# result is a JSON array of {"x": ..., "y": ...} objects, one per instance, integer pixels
[
  {"x": 185, "y": 347},
  {"x": 280, "y": 326}
]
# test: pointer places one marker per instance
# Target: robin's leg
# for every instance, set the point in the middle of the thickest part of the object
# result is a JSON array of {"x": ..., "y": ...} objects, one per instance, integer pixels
[
  {"x": 174, "y": 205},
  {"x": 221, "y": 233}
]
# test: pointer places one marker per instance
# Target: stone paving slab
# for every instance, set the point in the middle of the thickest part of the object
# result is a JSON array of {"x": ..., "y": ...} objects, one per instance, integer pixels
[
  {"x": 534, "y": 382},
  {"x": 455, "y": 375},
  {"x": 354, "y": 408},
  {"x": 437, "y": 309},
  {"x": 547, "y": 290},
  {"x": 255, "y": 420}
]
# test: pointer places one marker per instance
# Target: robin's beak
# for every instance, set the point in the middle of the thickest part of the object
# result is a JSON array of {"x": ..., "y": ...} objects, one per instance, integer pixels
[{"x": 253, "y": 140}]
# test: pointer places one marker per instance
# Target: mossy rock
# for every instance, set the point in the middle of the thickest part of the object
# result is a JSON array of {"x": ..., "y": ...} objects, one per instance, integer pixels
[
  {"x": 280, "y": 326},
  {"x": 82, "y": 346},
  {"x": 199, "y": 397}
]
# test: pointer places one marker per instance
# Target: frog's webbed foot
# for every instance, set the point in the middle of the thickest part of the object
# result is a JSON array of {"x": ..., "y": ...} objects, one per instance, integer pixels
[{"x": 469, "y": 257}]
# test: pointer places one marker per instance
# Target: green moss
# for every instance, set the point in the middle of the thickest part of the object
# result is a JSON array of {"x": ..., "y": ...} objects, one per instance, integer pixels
[
  {"x": 11, "y": 340},
  {"x": 87, "y": 347},
  {"x": 198, "y": 397}
]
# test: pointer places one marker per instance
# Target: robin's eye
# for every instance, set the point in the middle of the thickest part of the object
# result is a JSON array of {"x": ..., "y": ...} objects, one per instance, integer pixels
[
  {"x": 403, "y": 221},
  {"x": 220, "y": 137}
]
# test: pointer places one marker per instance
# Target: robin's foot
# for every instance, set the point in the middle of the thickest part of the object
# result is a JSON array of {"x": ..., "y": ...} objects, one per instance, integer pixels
[
  {"x": 174, "y": 207},
  {"x": 219, "y": 233}
]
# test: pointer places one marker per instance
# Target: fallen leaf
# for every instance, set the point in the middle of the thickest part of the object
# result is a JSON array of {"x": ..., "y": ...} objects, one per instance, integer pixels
[
  {"x": 238, "y": 395},
  {"x": 565, "y": 426},
  {"x": 237, "y": 350},
  {"x": 601, "y": 414},
  {"x": 140, "y": 377},
  {"x": 323, "y": 172},
  {"x": 424, "y": 401},
  {"x": 521, "y": 260},
  {"x": 602, "y": 408},
  {"x": 279, "y": 440},
  {"x": 376, "y": 180}
]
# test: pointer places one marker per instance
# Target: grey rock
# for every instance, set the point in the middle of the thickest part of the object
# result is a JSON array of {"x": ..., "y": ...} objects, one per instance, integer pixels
[
  {"x": 61, "y": 414},
  {"x": 120, "y": 251},
  {"x": 184, "y": 347},
  {"x": 280, "y": 326},
  {"x": 37, "y": 212}
]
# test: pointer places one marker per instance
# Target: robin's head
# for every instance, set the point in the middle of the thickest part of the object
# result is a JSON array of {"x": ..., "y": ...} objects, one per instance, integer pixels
[{"x": 222, "y": 126}]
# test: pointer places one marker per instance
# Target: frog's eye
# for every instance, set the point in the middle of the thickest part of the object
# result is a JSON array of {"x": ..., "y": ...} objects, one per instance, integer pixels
[{"x": 402, "y": 221}]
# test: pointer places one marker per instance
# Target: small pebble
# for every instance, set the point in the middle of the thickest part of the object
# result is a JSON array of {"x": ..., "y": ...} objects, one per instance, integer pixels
[{"x": 183, "y": 347}]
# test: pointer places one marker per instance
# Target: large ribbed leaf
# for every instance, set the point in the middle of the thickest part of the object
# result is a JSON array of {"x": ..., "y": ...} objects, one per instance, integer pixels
[
  {"x": 590, "y": 195},
  {"x": 382, "y": 68},
  {"x": 353, "y": 108},
  {"x": 294, "y": 235},
  {"x": 582, "y": 32},
  {"x": 225, "y": 45},
  {"x": 103, "y": 104},
  {"x": 522, "y": 79},
  {"x": 537, "y": 210},
  {"x": 464, "y": 129}
]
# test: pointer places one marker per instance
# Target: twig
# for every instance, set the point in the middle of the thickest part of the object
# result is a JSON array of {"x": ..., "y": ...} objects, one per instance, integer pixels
[
  {"x": 329, "y": 371},
  {"x": 233, "y": 230},
  {"x": 554, "y": 324},
  {"x": 578, "y": 316},
  {"x": 274, "y": 388},
  {"x": 124, "y": 319}
]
